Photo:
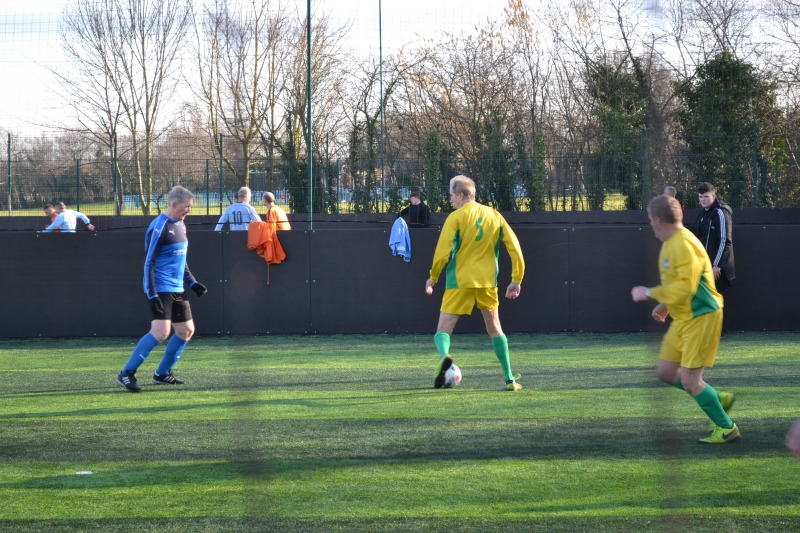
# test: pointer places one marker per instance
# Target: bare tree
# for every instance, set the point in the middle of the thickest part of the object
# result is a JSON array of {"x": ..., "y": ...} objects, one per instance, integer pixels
[
  {"x": 362, "y": 103},
  {"x": 461, "y": 83},
  {"x": 697, "y": 30},
  {"x": 728, "y": 23},
  {"x": 531, "y": 71},
  {"x": 289, "y": 134},
  {"x": 579, "y": 36},
  {"x": 124, "y": 56},
  {"x": 239, "y": 57},
  {"x": 533, "y": 66},
  {"x": 785, "y": 63}
]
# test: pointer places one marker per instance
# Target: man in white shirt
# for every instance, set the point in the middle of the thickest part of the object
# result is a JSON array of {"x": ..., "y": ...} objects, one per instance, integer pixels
[
  {"x": 239, "y": 214},
  {"x": 67, "y": 220}
]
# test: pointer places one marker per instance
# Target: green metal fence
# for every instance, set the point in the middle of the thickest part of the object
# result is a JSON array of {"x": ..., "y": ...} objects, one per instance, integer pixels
[{"x": 102, "y": 181}]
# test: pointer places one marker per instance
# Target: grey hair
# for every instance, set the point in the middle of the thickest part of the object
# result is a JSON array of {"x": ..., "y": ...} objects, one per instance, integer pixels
[
  {"x": 666, "y": 208},
  {"x": 462, "y": 184},
  {"x": 179, "y": 194}
]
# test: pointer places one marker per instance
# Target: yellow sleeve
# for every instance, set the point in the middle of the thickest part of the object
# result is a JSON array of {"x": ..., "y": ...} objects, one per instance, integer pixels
[
  {"x": 679, "y": 284},
  {"x": 515, "y": 252},
  {"x": 444, "y": 247}
]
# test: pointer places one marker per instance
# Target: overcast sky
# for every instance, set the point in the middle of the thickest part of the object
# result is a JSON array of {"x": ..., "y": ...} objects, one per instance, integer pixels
[{"x": 29, "y": 42}]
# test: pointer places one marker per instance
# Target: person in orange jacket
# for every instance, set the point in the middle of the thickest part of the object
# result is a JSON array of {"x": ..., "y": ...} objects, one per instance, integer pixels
[
  {"x": 262, "y": 236},
  {"x": 275, "y": 214}
]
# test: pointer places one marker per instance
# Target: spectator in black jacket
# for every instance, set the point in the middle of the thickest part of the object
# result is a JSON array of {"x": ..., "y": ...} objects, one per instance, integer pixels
[
  {"x": 417, "y": 212},
  {"x": 715, "y": 231}
]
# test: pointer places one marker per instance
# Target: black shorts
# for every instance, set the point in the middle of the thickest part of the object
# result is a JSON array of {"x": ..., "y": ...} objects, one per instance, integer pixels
[{"x": 176, "y": 308}]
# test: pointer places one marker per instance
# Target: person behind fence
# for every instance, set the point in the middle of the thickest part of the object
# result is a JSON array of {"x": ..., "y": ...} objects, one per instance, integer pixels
[
  {"x": 239, "y": 214},
  {"x": 51, "y": 213},
  {"x": 715, "y": 231},
  {"x": 687, "y": 293},
  {"x": 166, "y": 273},
  {"x": 418, "y": 213},
  {"x": 275, "y": 214},
  {"x": 65, "y": 220}
]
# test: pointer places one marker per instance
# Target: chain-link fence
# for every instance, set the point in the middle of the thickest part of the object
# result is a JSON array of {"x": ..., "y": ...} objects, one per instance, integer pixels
[{"x": 88, "y": 176}]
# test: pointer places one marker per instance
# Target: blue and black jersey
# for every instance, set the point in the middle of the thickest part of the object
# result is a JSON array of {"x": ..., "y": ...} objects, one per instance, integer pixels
[{"x": 165, "y": 268}]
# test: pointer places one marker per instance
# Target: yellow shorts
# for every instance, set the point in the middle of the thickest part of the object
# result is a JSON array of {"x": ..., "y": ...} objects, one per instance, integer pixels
[
  {"x": 693, "y": 344},
  {"x": 461, "y": 301}
]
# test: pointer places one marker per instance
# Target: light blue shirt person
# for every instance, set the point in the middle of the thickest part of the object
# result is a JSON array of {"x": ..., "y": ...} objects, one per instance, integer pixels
[
  {"x": 67, "y": 221},
  {"x": 239, "y": 214}
]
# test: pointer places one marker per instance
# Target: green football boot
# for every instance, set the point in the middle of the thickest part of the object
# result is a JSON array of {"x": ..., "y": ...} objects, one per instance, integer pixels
[
  {"x": 722, "y": 435},
  {"x": 444, "y": 365}
]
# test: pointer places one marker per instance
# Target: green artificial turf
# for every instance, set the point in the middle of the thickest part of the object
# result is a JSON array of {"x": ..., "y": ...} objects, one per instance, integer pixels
[{"x": 346, "y": 433}]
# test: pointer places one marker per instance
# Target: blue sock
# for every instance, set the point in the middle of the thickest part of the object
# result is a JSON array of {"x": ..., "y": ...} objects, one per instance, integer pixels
[
  {"x": 140, "y": 353},
  {"x": 175, "y": 348}
]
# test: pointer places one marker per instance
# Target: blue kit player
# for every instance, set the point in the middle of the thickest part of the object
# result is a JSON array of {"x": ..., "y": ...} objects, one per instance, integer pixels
[{"x": 165, "y": 275}]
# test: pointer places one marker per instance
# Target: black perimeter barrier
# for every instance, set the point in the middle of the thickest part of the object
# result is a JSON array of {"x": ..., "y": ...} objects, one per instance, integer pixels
[{"x": 340, "y": 277}]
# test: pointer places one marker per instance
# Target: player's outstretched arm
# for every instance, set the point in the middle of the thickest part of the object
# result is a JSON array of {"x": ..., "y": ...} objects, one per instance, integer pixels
[{"x": 639, "y": 294}]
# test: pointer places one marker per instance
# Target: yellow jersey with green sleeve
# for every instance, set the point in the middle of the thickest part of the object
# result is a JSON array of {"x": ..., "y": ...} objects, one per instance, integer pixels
[
  {"x": 469, "y": 245},
  {"x": 687, "y": 279}
]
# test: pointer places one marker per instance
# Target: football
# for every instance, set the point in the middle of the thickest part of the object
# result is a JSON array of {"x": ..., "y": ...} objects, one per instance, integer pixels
[{"x": 452, "y": 377}]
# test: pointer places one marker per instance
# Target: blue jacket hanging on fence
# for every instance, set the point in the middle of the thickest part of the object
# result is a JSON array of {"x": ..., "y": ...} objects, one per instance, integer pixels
[{"x": 400, "y": 240}]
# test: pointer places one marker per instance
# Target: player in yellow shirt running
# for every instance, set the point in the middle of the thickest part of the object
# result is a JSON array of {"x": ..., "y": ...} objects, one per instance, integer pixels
[
  {"x": 469, "y": 245},
  {"x": 687, "y": 293}
]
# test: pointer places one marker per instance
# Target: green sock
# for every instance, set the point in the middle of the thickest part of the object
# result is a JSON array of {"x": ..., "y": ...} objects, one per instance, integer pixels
[
  {"x": 442, "y": 342},
  {"x": 708, "y": 400},
  {"x": 500, "y": 345},
  {"x": 679, "y": 385}
]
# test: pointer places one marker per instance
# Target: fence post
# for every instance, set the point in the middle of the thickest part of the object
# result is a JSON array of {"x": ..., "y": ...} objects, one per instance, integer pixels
[
  {"x": 777, "y": 178},
  {"x": 755, "y": 165},
  {"x": 220, "y": 174},
  {"x": 9, "y": 175},
  {"x": 338, "y": 187},
  {"x": 115, "y": 176},
  {"x": 78, "y": 184},
  {"x": 208, "y": 197},
  {"x": 514, "y": 184},
  {"x": 325, "y": 178},
  {"x": 645, "y": 193},
  {"x": 309, "y": 151}
]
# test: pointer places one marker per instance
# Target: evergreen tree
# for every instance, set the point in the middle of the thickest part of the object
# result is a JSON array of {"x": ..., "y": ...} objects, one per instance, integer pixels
[{"x": 729, "y": 120}]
